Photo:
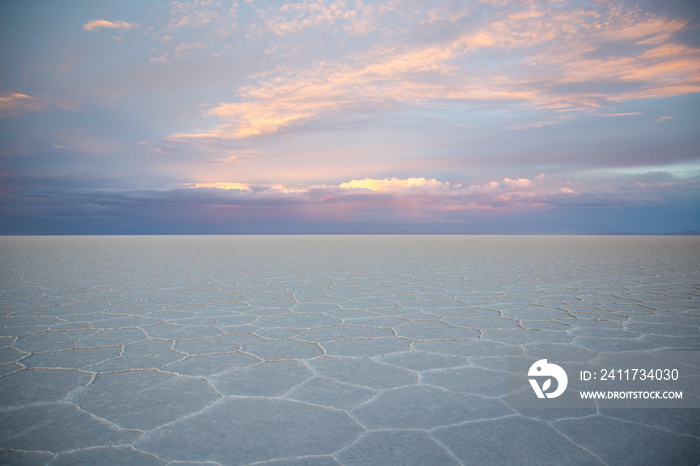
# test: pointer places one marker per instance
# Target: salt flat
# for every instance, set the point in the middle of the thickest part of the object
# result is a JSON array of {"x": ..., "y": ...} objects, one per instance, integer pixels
[{"x": 330, "y": 349}]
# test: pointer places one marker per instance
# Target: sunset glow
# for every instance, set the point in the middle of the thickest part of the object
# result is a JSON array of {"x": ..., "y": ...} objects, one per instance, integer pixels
[
  {"x": 327, "y": 116},
  {"x": 239, "y": 186}
]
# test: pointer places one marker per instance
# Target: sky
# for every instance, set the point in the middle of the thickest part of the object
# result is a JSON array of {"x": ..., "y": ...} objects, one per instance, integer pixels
[{"x": 345, "y": 116}]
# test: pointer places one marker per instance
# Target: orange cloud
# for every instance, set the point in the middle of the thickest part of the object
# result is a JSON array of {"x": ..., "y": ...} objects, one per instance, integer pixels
[
  {"x": 12, "y": 103},
  {"x": 404, "y": 191},
  {"x": 553, "y": 48},
  {"x": 517, "y": 185},
  {"x": 394, "y": 184},
  {"x": 95, "y": 24}
]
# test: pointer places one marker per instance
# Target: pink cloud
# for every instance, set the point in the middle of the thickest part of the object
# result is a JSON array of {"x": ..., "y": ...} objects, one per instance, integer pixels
[
  {"x": 237, "y": 186},
  {"x": 663, "y": 118},
  {"x": 377, "y": 199},
  {"x": 95, "y": 24}
]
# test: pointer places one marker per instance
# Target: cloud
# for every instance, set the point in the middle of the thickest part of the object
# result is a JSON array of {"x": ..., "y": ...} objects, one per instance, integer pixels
[
  {"x": 394, "y": 184},
  {"x": 516, "y": 185},
  {"x": 618, "y": 114},
  {"x": 354, "y": 18},
  {"x": 237, "y": 186},
  {"x": 237, "y": 155},
  {"x": 538, "y": 124},
  {"x": 202, "y": 13},
  {"x": 506, "y": 185},
  {"x": 663, "y": 118},
  {"x": 245, "y": 207},
  {"x": 192, "y": 25},
  {"x": 12, "y": 103},
  {"x": 543, "y": 57},
  {"x": 413, "y": 197},
  {"x": 95, "y": 24},
  {"x": 161, "y": 59},
  {"x": 206, "y": 148}
]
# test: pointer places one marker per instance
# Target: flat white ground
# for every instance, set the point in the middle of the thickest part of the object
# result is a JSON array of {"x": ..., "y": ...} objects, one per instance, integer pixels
[{"x": 330, "y": 349}]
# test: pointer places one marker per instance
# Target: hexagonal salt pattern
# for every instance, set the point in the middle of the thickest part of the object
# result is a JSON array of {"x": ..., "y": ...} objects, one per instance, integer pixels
[{"x": 330, "y": 350}]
